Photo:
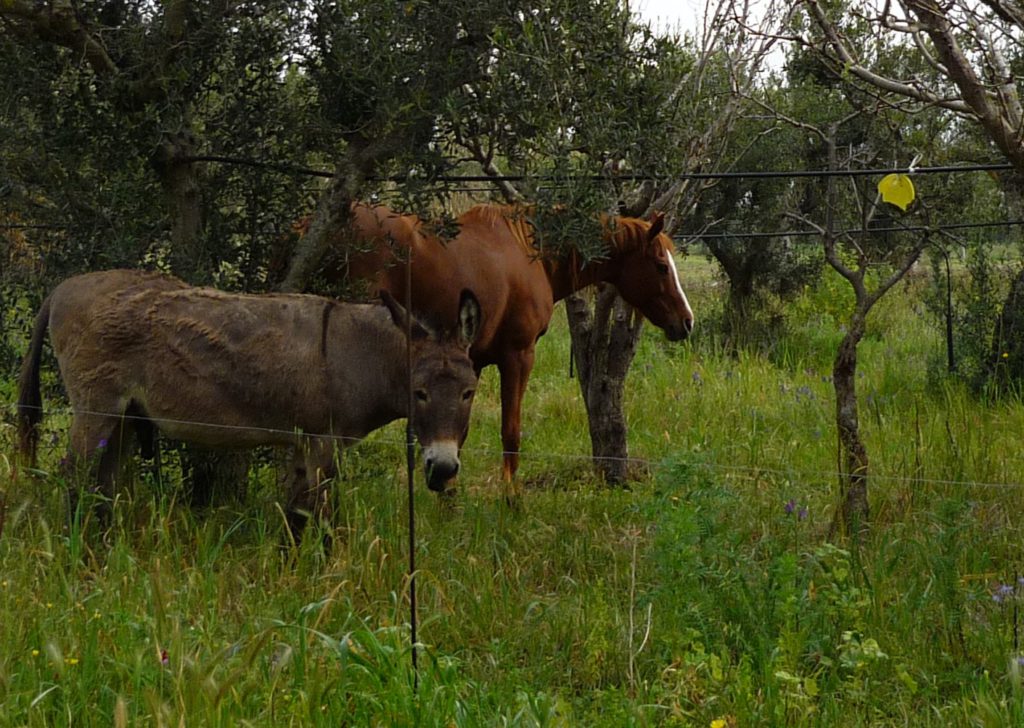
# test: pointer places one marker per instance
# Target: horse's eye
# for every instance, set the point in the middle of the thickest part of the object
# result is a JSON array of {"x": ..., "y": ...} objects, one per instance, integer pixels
[
  {"x": 421, "y": 395},
  {"x": 662, "y": 268},
  {"x": 467, "y": 395}
]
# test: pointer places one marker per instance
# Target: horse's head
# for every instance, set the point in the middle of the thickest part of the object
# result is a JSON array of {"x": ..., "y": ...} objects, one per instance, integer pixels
[
  {"x": 648, "y": 280},
  {"x": 443, "y": 384}
]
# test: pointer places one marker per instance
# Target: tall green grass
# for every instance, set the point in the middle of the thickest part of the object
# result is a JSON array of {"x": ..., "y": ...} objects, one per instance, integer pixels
[{"x": 695, "y": 595}]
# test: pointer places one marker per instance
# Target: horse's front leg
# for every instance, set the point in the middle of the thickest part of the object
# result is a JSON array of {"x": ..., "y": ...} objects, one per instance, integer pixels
[{"x": 515, "y": 370}]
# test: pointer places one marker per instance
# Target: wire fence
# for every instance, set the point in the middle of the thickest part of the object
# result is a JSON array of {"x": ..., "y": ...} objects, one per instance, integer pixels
[
  {"x": 921, "y": 229},
  {"x": 621, "y": 177},
  {"x": 488, "y": 181},
  {"x": 819, "y": 475},
  {"x": 486, "y": 184}
]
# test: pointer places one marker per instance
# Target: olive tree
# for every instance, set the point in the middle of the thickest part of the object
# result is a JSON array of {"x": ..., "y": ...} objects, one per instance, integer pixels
[{"x": 971, "y": 53}]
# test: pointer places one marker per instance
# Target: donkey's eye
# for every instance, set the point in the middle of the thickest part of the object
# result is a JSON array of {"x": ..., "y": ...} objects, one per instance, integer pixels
[
  {"x": 468, "y": 395},
  {"x": 421, "y": 395},
  {"x": 662, "y": 268}
]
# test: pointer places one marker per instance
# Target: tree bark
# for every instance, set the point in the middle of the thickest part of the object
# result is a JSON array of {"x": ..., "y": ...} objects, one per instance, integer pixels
[
  {"x": 604, "y": 341},
  {"x": 332, "y": 214},
  {"x": 1006, "y": 367},
  {"x": 853, "y": 479},
  {"x": 182, "y": 191}
]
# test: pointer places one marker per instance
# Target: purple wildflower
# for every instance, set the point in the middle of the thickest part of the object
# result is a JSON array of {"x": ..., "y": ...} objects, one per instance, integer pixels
[
  {"x": 103, "y": 443},
  {"x": 802, "y": 513},
  {"x": 790, "y": 507},
  {"x": 1002, "y": 593}
]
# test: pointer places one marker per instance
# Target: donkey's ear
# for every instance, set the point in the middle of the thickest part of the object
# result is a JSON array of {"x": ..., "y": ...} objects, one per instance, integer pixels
[
  {"x": 469, "y": 318},
  {"x": 401, "y": 317},
  {"x": 657, "y": 225}
]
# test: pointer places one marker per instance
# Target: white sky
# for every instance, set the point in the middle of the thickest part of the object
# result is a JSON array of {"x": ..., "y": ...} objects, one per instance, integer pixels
[{"x": 687, "y": 15}]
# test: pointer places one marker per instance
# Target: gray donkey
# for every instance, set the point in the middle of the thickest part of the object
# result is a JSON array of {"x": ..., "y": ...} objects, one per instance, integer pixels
[{"x": 139, "y": 350}]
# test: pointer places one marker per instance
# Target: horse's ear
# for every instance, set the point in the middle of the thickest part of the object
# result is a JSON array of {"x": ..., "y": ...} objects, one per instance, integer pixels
[
  {"x": 657, "y": 225},
  {"x": 469, "y": 318},
  {"x": 400, "y": 316}
]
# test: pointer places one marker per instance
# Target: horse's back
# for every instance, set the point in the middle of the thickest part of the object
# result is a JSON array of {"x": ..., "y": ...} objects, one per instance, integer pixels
[
  {"x": 487, "y": 255},
  {"x": 495, "y": 251}
]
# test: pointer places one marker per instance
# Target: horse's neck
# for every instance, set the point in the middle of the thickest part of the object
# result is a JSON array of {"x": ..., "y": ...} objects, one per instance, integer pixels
[{"x": 569, "y": 275}]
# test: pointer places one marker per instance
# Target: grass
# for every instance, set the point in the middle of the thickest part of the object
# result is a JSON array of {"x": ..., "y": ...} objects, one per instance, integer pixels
[{"x": 692, "y": 597}]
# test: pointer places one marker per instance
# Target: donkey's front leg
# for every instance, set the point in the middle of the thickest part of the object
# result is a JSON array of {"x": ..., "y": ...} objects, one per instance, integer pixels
[{"x": 312, "y": 469}]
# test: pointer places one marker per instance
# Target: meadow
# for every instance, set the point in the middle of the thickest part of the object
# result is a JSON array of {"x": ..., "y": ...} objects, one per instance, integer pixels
[{"x": 705, "y": 594}]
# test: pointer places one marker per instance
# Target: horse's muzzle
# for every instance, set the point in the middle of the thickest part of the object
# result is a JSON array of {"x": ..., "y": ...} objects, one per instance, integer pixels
[{"x": 679, "y": 332}]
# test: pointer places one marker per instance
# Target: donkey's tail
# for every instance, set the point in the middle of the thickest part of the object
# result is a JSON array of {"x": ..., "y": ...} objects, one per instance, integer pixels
[{"x": 30, "y": 401}]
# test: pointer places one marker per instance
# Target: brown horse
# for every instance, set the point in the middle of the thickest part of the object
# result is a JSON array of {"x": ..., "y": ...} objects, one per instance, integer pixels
[
  {"x": 494, "y": 253},
  {"x": 138, "y": 350}
]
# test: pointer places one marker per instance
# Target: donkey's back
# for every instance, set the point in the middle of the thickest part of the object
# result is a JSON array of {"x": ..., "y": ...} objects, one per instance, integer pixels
[{"x": 219, "y": 369}]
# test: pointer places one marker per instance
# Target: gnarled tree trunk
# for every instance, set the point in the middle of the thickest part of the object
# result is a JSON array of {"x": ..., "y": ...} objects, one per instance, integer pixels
[
  {"x": 180, "y": 180},
  {"x": 604, "y": 340},
  {"x": 853, "y": 481}
]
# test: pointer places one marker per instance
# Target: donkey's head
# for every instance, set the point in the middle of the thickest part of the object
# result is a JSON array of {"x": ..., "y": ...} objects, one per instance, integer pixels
[{"x": 443, "y": 384}]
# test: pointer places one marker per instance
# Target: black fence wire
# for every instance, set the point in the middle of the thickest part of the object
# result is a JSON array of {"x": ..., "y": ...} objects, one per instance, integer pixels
[
  {"x": 529, "y": 454},
  {"x": 944, "y": 227},
  {"x": 443, "y": 184},
  {"x": 447, "y": 183},
  {"x": 464, "y": 178}
]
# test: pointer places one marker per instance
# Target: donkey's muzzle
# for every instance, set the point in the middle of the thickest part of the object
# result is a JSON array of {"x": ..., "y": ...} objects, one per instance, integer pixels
[
  {"x": 438, "y": 474},
  {"x": 441, "y": 464}
]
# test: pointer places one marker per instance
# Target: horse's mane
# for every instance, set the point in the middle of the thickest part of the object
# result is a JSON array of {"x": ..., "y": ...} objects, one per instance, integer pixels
[
  {"x": 622, "y": 234},
  {"x": 514, "y": 217},
  {"x": 626, "y": 233}
]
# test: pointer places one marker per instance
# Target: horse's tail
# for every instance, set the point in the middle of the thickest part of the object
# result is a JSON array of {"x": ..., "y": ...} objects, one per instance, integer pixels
[{"x": 30, "y": 401}]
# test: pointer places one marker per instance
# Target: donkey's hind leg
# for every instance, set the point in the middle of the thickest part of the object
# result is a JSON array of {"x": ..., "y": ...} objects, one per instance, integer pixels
[{"x": 97, "y": 447}]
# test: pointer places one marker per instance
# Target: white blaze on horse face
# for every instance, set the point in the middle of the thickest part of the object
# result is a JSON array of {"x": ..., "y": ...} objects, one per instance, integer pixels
[{"x": 675, "y": 280}]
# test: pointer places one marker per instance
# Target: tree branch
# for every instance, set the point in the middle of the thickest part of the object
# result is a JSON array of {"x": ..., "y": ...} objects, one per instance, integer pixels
[
  {"x": 850, "y": 65},
  {"x": 1001, "y": 127},
  {"x": 57, "y": 23}
]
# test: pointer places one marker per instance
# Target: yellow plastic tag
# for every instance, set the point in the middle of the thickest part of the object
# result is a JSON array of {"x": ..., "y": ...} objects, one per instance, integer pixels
[{"x": 897, "y": 189}]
